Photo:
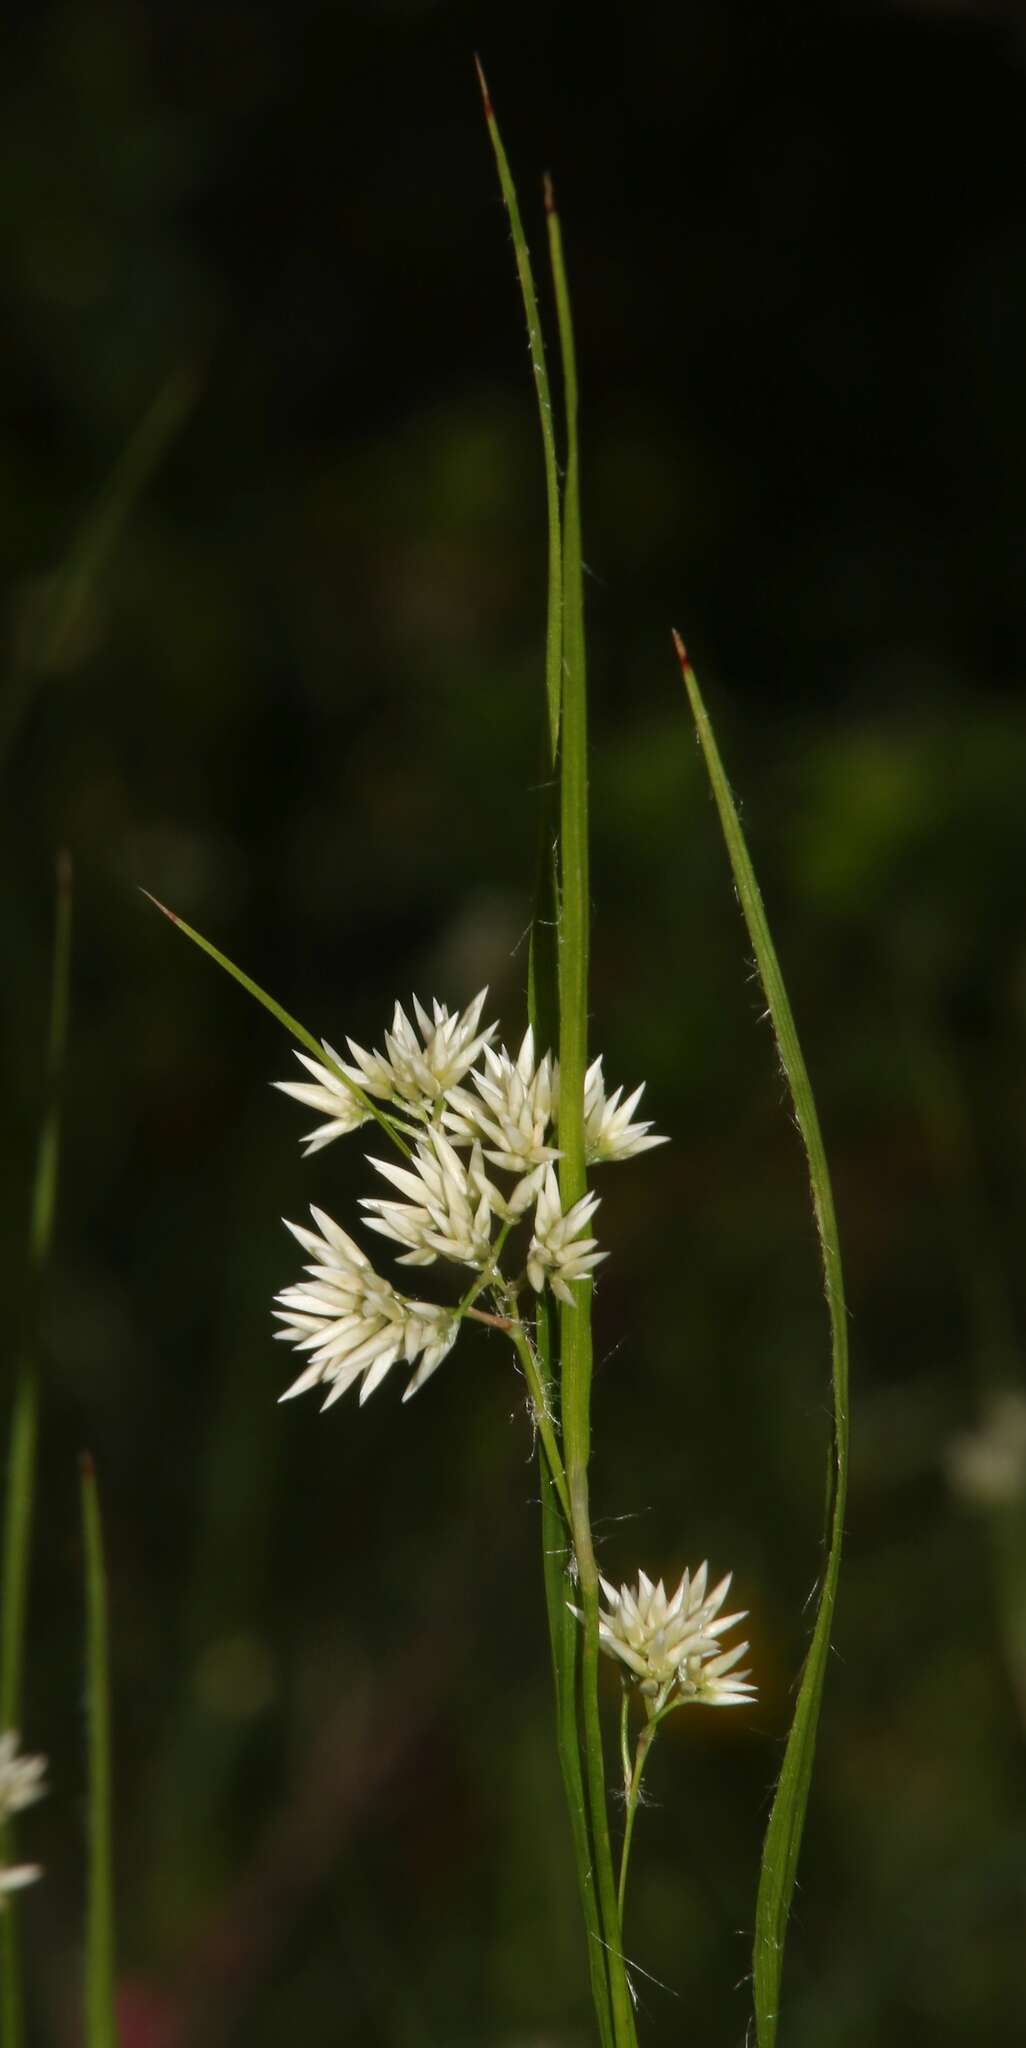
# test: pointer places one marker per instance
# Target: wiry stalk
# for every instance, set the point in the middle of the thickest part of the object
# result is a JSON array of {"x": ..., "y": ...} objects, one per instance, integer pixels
[{"x": 21, "y": 1460}]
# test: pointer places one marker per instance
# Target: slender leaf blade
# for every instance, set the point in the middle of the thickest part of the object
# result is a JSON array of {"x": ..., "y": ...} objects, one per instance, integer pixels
[
  {"x": 536, "y": 345},
  {"x": 291, "y": 1024},
  {"x": 787, "y": 1817}
]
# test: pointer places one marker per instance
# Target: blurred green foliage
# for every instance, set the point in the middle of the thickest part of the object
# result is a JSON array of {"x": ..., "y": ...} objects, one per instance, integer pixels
[{"x": 303, "y": 705}]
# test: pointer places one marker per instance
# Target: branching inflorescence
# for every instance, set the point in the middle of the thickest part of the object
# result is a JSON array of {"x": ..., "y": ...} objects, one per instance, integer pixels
[
  {"x": 448, "y": 1204},
  {"x": 463, "y": 1110}
]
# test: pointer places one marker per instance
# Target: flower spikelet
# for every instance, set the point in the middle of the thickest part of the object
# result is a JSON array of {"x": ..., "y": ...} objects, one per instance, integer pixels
[
  {"x": 557, "y": 1252},
  {"x": 353, "y": 1322},
  {"x": 449, "y": 1212},
  {"x": 672, "y": 1645},
  {"x": 21, "y": 1784},
  {"x": 608, "y": 1131},
  {"x": 419, "y": 1071},
  {"x": 512, "y": 1112},
  {"x": 326, "y": 1092}
]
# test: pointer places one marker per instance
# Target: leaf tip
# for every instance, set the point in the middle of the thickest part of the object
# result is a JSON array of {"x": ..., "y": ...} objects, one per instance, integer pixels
[
  {"x": 86, "y": 1467},
  {"x": 548, "y": 193},
  {"x": 158, "y": 905},
  {"x": 64, "y": 872},
  {"x": 486, "y": 98}
]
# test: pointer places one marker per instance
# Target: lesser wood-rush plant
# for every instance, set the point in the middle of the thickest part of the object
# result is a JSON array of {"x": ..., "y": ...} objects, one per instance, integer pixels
[{"x": 489, "y": 1153}]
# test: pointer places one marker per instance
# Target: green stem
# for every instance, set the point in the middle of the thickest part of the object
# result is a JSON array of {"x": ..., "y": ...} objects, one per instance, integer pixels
[
  {"x": 633, "y": 1795},
  {"x": 575, "y": 1322},
  {"x": 100, "y": 2021},
  {"x": 22, "y": 1453},
  {"x": 564, "y": 1634},
  {"x": 489, "y": 1275},
  {"x": 542, "y": 1418}
]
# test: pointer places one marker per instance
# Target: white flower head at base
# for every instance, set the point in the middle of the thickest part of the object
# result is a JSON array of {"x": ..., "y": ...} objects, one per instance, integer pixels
[
  {"x": 352, "y": 1322},
  {"x": 419, "y": 1071},
  {"x": 672, "y": 1645},
  {"x": 512, "y": 1113},
  {"x": 449, "y": 1213},
  {"x": 558, "y": 1253},
  {"x": 608, "y": 1131},
  {"x": 21, "y": 1784}
]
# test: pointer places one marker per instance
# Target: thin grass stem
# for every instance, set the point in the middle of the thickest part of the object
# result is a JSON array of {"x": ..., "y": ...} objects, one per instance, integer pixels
[
  {"x": 575, "y": 1322},
  {"x": 543, "y": 1010},
  {"x": 100, "y": 2022},
  {"x": 633, "y": 1790},
  {"x": 91, "y": 551},
  {"x": 787, "y": 1817},
  {"x": 22, "y": 1452},
  {"x": 542, "y": 1419}
]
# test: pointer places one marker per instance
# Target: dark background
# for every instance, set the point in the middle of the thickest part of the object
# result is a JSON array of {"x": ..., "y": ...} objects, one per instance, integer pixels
[{"x": 300, "y": 701}]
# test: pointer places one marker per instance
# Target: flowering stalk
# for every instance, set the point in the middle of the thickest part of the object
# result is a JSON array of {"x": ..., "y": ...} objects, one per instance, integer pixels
[
  {"x": 672, "y": 1651},
  {"x": 575, "y": 1323},
  {"x": 544, "y": 1004}
]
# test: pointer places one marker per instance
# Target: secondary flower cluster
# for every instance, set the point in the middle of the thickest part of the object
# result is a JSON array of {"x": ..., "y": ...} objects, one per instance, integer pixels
[
  {"x": 447, "y": 1204},
  {"x": 21, "y": 1783},
  {"x": 672, "y": 1646}
]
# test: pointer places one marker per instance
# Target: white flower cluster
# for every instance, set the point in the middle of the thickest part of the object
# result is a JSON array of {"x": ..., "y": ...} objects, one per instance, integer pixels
[
  {"x": 447, "y": 1205},
  {"x": 21, "y": 1784},
  {"x": 672, "y": 1645}
]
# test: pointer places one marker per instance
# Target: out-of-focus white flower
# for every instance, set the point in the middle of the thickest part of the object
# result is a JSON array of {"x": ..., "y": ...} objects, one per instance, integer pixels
[
  {"x": 557, "y": 1252},
  {"x": 988, "y": 1465},
  {"x": 608, "y": 1130},
  {"x": 15, "y": 1875},
  {"x": 419, "y": 1071},
  {"x": 512, "y": 1117},
  {"x": 353, "y": 1322},
  {"x": 21, "y": 1784},
  {"x": 672, "y": 1646},
  {"x": 21, "y": 1777},
  {"x": 327, "y": 1092},
  {"x": 449, "y": 1213}
]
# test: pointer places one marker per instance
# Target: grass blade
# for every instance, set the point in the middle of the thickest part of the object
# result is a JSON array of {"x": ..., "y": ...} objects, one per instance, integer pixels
[
  {"x": 536, "y": 344},
  {"x": 292, "y": 1025},
  {"x": 93, "y": 548},
  {"x": 787, "y": 1818},
  {"x": 21, "y": 1459},
  {"x": 100, "y": 2019}
]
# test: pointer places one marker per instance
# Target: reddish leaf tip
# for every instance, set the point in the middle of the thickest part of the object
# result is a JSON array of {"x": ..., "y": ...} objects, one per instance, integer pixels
[
  {"x": 483, "y": 83},
  {"x": 548, "y": 193},
  {"x": 64, "y": 871},
  {"x": 158, "y": 905},
  {"x": 681, "y": 651},
  {"x": 86, "y": 1465}
]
